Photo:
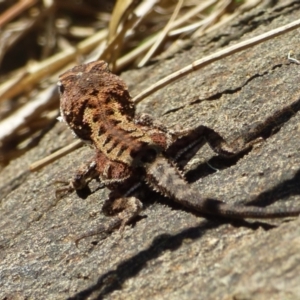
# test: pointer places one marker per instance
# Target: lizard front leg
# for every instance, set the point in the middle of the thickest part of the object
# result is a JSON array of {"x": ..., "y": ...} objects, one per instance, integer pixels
[
  {"x": 121, "y": 210},
  {"x": 80, "y": 180}
]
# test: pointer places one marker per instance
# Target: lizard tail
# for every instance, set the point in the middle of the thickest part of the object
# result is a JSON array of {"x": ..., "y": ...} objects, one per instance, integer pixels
[{"x": 166, "y": 179}]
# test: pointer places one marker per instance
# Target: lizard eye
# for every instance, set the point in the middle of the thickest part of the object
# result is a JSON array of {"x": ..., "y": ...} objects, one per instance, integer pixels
[{"x": 61, "y": 88}]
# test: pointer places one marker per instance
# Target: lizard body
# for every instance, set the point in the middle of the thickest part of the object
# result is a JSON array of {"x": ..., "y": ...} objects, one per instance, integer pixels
[{"x": 130, "y": 149}]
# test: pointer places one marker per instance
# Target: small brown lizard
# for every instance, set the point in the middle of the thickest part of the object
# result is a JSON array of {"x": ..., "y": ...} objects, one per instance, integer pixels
[{"x": 132, "y": 149}]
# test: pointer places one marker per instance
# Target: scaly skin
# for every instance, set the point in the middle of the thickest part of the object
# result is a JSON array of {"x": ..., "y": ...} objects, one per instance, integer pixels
[{"x": 130, "y": 149}]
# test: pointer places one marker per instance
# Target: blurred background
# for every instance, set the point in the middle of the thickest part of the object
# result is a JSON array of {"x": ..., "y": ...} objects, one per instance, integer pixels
[{"x": 40, "y": 39}]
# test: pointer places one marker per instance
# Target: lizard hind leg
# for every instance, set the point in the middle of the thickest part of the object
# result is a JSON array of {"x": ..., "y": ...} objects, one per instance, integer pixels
[{"x": 122, "y": 210}]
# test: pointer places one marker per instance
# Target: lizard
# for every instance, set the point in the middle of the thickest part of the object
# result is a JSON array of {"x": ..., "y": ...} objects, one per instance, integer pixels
[{"x": 132, "y": 149}]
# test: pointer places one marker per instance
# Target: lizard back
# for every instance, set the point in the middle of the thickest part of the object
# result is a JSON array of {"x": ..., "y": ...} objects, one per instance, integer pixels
[{"x": 98, "y": 108}]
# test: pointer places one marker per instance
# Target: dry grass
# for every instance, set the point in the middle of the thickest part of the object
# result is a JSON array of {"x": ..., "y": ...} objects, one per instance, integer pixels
[{"x": 40, "y": 39}]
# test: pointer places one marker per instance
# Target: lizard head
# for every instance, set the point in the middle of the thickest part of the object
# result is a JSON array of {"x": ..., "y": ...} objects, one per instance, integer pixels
[{"x": 88, "y": 93}]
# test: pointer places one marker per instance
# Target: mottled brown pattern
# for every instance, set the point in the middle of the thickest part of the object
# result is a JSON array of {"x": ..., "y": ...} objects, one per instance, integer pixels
[{"x": 133, "y": 149}]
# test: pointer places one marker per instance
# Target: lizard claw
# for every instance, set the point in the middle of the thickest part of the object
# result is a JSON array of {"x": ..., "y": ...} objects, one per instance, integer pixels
[
  {"x": 66, "y": 189},
  {"x": 113, "y": 224}
]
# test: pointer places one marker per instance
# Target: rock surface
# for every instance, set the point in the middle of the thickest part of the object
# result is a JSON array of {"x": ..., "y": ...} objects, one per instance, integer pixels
[{"x": 170, "y": 252}]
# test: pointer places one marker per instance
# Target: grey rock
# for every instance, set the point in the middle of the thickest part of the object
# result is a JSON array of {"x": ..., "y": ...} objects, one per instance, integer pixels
[{"x": 170, "y": 252}]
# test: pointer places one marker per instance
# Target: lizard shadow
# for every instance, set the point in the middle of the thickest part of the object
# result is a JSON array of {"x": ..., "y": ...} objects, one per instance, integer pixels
[
  {"x": 92, "y": 188},
  {"x": 286, "y": 188},
  {"x": 114, "y": 280},
  {"x": 269, "y": 127}
]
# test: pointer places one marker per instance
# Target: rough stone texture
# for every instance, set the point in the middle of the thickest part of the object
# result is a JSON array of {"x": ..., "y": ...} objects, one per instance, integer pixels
[{"x": 170, "y": 252}]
